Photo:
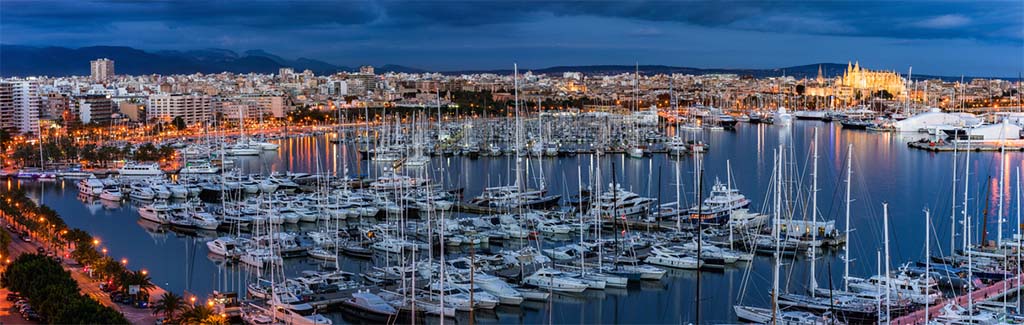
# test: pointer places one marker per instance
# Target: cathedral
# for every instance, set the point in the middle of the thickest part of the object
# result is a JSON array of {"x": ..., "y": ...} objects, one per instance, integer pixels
[
  {"x": 856, "y": 80},
  {"x": 859, "y": 79}
]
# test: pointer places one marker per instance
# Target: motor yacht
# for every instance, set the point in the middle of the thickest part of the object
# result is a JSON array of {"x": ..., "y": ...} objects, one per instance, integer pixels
[
  {"x": 552, "y": 279},
  {"x": 663, "y": 257},
  {"x": 90, "y": 186},
  {"x": 141, "y": 169}
]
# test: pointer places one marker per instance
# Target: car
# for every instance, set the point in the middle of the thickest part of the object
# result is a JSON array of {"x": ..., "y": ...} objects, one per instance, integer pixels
[
  {"x": 40, "y": 250},
  {"x": 13, "y": 296},
  {"x": 26, "y": 239}
]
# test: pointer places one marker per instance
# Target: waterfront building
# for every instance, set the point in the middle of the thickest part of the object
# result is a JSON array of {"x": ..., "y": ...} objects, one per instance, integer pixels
[
  {"x": 192, "y": 108},
  {"x": 19, "y": 106},
  {"x": 102, "y": 69},
  {"x": 96, "y": 109},
  {"x": 867, "y": 81}
]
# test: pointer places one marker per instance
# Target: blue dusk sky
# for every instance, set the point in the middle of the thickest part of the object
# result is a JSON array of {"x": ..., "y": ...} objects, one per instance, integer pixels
[{"x": 975, "y": 38}]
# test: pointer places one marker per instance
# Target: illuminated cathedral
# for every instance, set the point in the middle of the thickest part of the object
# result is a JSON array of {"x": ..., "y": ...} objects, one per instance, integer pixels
[{"x": 856, "y": 80}]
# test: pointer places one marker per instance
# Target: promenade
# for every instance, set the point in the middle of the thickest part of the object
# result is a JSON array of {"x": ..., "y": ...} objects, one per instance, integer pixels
[
  {"x": 990, "y": 292},
  {"x": 87, "y": 285}
]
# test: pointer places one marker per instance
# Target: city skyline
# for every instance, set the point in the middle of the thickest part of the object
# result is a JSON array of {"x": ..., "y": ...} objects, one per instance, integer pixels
[{"x": 443, "y": 36}]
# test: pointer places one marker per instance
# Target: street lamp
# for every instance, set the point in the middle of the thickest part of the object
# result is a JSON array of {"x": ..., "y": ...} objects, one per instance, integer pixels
[{"x": 124, "y": 261}]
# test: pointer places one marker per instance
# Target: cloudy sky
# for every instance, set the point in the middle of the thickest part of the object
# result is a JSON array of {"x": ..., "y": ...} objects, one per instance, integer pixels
[{"x": 947, "y": 38}]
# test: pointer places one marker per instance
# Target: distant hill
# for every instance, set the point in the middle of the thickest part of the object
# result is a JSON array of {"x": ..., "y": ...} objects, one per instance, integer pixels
[{"x": 19, "y": 60}]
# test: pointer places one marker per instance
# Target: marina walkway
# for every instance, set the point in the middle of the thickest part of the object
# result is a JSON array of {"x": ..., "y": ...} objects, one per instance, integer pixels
[
  {"x": 88, "y": 286},
  {"x": 990, "y": 292}
]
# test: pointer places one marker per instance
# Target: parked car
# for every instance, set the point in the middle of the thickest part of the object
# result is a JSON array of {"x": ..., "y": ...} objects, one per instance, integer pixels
[
  {"x": 13, "y": 296},
  {"x": 26, "y": 239}
]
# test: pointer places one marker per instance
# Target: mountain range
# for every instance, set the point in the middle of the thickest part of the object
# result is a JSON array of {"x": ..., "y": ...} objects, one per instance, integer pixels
[{"x": 21, "y": 60}]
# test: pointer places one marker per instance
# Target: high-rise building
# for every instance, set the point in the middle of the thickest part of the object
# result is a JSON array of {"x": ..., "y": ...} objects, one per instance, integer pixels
[
  {"x": 192, "y": 108},
  {"x": 19, "y": 106},
  {"x": 285, "y": 73},
  {"x": 97, "y": 109},
  {"x": 102, "y": 69},
  {"x": 366, "y": 69}
]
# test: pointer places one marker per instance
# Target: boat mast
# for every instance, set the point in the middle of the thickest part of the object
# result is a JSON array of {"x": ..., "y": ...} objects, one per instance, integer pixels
[
  {"x": 846, "y": 257},
  {"x": 814, "y": 212},
  {"x": 1002, "y": 164},
  {"x": 952, "y": 214},
  {"x": 927, "y": 260},
  {"x": 1019, "y": 246},
  {"x": 777, "y": 210},
  {"x": 515, "y": 86},
  {"x": 888, "y": 285}
]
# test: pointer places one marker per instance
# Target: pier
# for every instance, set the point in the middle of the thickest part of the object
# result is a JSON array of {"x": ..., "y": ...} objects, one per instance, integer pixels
[
  {"x": 990, "y": 293},
  {"x": 943, "y": 146}
]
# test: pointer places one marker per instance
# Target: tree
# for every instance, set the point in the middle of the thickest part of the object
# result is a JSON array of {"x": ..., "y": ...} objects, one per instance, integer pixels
[
  {"x": 5, "y": 242},
  {"x": 169, "y": 304},
  {"x": 179, "y": 123},
  {"x": 196, "y": 314}
]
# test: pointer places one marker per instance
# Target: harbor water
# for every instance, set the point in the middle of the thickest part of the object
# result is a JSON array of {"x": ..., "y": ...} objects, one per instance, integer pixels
[{"x": 884, "y": 170}]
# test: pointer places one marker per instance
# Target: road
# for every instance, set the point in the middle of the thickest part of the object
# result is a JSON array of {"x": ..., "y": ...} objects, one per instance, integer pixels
[{"x": 88, "y": 286}]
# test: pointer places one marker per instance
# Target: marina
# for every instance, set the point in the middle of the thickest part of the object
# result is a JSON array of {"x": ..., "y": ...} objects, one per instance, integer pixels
[{"x": 371, "y": 225}]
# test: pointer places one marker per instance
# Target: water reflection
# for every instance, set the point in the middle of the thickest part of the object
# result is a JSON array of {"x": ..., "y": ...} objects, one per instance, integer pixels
[{"x": 884, "y": 169}]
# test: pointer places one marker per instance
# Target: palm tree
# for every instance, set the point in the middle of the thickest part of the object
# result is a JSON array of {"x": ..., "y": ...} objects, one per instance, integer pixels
[
  {"x": 169, "y": 304},
  {"x": 196, "y": 314},
  {"x": 141, "y": 279}
]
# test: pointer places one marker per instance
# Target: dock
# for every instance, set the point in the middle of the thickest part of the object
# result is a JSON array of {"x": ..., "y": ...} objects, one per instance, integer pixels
[
  {"x": 943, "y": 146},
  {"x": 992, "y": 292}
]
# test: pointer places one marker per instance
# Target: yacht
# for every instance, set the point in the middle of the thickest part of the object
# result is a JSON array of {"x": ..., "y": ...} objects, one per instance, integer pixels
[
  {"x": 240, "y": 149},
  {"x": 322, "y": 254},
  {"x": 224, "y": 246},
  {"x": 141, "y": 169},
  {"x": 393, "y": 182},
  {"x": 552, "y": 279},
  {"x": 158, "y": 212},
  {"x": 259, "y": 257},
  {"x": 141, "y": 192},
  {"x": 300, "y": 314},
  {"x": 369, "y": 303},
  {"x": 619, "y": 202},
  {"x": 901, "y": 285},
  {"x": 782, "y": 317},
  {"x": 512, "y": 197},
  {"x": 781, "y": 117},
  {"x": 718, "y": 207},
  {"x": 663, "y": 257},
  {"x": 91, "y": 186},
  {"x": 111, "y": 194},
  {"x": 198, "y": 167},
  {"x": 506, "y": 294}
]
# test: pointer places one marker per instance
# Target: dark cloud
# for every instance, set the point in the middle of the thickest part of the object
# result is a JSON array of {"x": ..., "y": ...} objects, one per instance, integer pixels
[{"x": 343, "y": 30}]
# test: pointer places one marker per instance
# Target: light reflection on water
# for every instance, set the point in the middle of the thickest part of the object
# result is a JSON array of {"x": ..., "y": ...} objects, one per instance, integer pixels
[{"x": 884, "y": 170}]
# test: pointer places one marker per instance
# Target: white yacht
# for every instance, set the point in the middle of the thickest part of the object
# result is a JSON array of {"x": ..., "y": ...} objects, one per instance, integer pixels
[
  {"x": 900, "y": 285},
  {"x": 224, "y": 246},
  {"x": 783, "y": 118},
  {"x": 499, "y": 288},
  {"x": 111, "y": 194},
  {"x": 664, "y": 257},
  {"x": 619, "y": 202},
  {"x": 141, "y": 169},
  {"x": 717, "y": 207},
  {"x": 91, "y": 186},
  {"x": 158, "y": 212},
  {"x": 393, "y": 182},
  {"x": 259, "y": 257},
  {"x": 194, "y": 167},
  {"x": 369, "y": 303},
  {"x": 552, "y": 279}
]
